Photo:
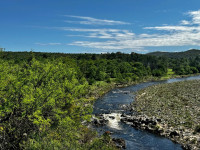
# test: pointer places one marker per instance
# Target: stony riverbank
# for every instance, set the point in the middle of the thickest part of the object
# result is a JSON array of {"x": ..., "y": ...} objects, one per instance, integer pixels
[
  {"x": 185, "y": 137},
  {"x": 99, "y": 89},
  {"x": 170, "y": 110}
]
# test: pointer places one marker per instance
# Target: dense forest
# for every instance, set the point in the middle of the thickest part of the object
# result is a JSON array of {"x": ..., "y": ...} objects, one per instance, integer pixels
[
  {"x": 46, "y": 98},
  {"x": 185, "y": 54}
]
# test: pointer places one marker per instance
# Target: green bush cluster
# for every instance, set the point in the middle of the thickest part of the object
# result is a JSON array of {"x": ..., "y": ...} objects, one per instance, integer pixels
[{"x": 41, "y": 102}]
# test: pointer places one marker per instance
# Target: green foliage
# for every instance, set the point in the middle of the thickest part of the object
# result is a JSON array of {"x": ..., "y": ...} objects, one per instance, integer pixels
[
  {"x": 39, "y": 99},
  {"x": 170, "y": 74},
  {"x": 157, "y": 73},
  {"x": 176, "y": 55},
  {"x": 104, "y": 143}
]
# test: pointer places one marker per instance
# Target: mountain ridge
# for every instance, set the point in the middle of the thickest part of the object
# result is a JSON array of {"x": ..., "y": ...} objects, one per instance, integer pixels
[{"x": 185, "y": 54}]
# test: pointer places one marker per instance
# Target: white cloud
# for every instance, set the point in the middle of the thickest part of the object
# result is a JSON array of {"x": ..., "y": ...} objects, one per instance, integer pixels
[
  {"x": 186, "y": 33},
  {"x": 94, "y": 21},
  {"x": 185, "y": 22},
  {"x": 87, "y": 30},
  {"x": 195, "y": 16},
  {"x": 108, "y": 45},
  {"x": 116, "y": 34},
  {"x": 47, "y": 44},
  {"x": 175, "y": 28}
]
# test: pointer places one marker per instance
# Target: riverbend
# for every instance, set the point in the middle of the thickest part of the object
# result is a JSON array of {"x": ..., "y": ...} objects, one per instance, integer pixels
[{"x": 115, "y": 103}]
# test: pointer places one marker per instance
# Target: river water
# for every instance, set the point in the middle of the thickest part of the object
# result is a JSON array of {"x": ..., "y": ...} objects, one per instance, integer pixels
[{"x": 113, "y": 104}]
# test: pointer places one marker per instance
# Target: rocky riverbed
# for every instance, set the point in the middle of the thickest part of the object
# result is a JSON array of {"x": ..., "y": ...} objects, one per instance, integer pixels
[
  {"x": 188, "y": 139},
  {"x": 183, "y": 136},
  {"x": 170, "y": 110},
  {"x": 104, "y": 119}
]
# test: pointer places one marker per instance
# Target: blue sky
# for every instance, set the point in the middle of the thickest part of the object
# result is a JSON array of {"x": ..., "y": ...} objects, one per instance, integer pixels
[{"x": 99, "y": 26}]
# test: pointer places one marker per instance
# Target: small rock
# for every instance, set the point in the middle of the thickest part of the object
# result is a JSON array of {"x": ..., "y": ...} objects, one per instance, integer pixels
[
  {"x": 174, "y": 133},
  {"x": 120, "y": 143},
  {"x": 112, "y": 117}
]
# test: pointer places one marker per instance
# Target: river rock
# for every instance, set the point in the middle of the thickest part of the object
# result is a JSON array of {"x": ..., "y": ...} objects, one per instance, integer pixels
[
  {"x": 173, "y": 134},
  {"x": 99, "y": 121},
  {"x": 120, "y": 143},
  {"x": 124, "y": 115},
  {"x": 112, "y": 117}
]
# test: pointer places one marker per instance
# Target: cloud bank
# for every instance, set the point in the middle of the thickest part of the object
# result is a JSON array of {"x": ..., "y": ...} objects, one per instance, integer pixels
[{"x": 185, "y": 33}]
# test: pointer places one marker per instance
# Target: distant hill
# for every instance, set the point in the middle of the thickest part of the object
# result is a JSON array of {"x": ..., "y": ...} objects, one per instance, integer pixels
[{"x": 187, "y": 54}]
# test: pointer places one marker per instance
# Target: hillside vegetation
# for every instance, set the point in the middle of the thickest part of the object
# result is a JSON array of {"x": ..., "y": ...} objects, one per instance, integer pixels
[
  {"x": 187, "y": 54},
  {"x": 43, "y": 105}
]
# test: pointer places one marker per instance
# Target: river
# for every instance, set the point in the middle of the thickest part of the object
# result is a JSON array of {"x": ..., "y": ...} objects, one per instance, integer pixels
[{"x": 114, "y": 103}]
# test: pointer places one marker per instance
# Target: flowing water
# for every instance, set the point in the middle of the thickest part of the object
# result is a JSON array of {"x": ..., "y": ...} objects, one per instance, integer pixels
[{"x": 112, "y": 104}]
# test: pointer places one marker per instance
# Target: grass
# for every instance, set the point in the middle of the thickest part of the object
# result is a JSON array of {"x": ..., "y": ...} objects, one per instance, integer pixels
[{"x": 170, "y": 73}]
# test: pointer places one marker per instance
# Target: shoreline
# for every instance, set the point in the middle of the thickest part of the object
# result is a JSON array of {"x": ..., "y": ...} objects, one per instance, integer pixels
[
  {"x": 169, "y": 110},
  {"x": 154, "y": 125}
]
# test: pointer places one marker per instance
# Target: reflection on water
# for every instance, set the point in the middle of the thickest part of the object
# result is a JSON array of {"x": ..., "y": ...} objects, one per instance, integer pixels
[{"x": 114, "y": 103}]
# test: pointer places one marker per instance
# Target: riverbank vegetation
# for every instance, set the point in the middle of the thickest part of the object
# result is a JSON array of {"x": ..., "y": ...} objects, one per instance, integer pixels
[
  {"x": 46, "y": 98},
  {"x": 177, "y": 104}
]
